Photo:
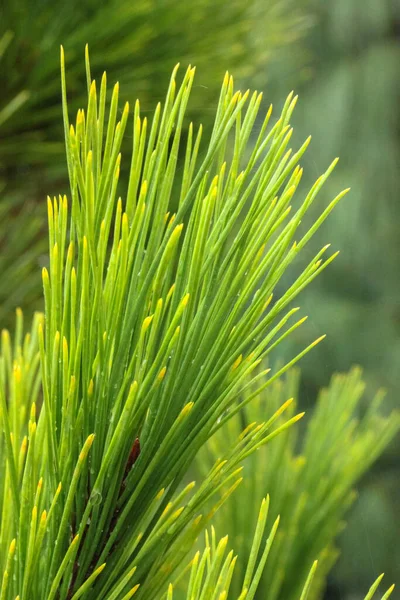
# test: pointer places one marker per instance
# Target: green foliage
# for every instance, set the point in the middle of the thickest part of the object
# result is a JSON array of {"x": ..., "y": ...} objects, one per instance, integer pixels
[
  {"x": 311, "y": 483},
  {"x": 155, "y": 324},
  {"x": 139, "y": 41},
  {"x": 22, "y": 244},
  {"x": 20, "y": 241},
  {"x": 16, "y": 100},
  {"x": 211, "y": 572}
]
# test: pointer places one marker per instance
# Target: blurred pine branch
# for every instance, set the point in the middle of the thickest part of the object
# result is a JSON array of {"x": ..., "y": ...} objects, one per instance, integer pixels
[
  {"x": 351, "y": 108},
  {"x": 139, "y": 42},
  {"x": 310, "y": 480}
]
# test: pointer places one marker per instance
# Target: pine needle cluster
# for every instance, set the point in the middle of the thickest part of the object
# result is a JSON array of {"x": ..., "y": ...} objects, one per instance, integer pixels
[{"x": 159, "y": 312}]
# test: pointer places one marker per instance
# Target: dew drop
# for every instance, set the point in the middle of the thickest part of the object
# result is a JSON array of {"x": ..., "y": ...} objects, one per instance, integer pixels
[{"x": 95, "y": 497}]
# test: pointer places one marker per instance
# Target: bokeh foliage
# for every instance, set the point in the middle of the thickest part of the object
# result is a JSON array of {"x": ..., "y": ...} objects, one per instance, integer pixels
[
  {"x": 139, "y": 42},
  {"x": 350, "y": 107},
  {"x": 351, "y": 110}
]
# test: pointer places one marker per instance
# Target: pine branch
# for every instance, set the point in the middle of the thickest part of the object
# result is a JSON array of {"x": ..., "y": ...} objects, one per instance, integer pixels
[{"x": 157, "y": 313}]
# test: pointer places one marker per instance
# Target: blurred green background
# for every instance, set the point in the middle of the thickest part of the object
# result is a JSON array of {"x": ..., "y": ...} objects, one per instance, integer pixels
[
  {"x": 343, "y": 58},
  {"x": 350, "y": 105}
]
